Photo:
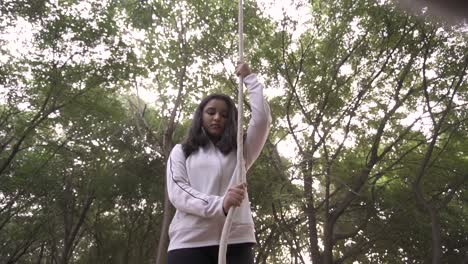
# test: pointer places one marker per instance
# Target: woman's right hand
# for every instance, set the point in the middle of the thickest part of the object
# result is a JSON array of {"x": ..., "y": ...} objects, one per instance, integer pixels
[
  {"x": 234, "y": 196},
  {"x": 243, "y": 70}
]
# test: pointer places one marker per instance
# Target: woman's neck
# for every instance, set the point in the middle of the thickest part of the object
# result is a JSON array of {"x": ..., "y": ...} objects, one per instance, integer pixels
[{"x": 215, "y": 140}]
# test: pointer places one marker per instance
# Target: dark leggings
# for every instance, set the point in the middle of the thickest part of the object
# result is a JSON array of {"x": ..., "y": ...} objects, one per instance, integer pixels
[{"x": 236, "y": 254}]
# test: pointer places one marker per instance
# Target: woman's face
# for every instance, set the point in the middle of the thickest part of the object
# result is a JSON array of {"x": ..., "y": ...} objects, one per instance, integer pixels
[{"x": 215, "y": 114}]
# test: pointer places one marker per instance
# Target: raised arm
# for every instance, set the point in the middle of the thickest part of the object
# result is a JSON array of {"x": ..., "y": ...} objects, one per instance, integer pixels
[{"x": 260, "y": 121}]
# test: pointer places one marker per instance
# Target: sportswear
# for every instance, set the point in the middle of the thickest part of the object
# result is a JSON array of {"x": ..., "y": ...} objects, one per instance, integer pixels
[
  {"x": 197, "y": 183},
  {"x": 235, "y": 254}
]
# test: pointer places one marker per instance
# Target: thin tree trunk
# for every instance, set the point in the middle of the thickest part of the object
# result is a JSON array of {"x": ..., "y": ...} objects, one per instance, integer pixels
[
  {"x": 311, "y": 214},
  {"x": 164, "y": 236},
  {"x": 328, "y": 243},
  {"x": 169, "y": 209},
  {"x": 41, "y": 254},
  {"x": 313, "y": 232},
  {"x": 436, "y": 237}
]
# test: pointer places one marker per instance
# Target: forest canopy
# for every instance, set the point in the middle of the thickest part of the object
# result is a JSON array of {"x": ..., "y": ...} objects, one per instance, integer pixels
[{"x": 367, "y": 158}]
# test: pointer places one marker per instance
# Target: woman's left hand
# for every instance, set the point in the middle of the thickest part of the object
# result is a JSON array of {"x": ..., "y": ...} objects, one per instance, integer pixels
[{"x": 234, "y": 196}]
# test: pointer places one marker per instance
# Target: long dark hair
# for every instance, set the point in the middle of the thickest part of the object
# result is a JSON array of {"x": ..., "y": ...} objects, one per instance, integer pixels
[{"x": 196, "y": 135}]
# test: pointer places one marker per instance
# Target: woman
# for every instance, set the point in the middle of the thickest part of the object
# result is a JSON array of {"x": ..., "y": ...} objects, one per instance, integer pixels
[{"x": 201, "y": 175}]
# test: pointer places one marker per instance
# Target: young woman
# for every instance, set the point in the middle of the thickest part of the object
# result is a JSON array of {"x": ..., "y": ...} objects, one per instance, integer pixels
[{"x": 201, "y": 174}]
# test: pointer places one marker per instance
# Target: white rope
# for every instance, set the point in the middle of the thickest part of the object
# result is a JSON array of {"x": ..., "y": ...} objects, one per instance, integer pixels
[{"x": 240, "y": 176}]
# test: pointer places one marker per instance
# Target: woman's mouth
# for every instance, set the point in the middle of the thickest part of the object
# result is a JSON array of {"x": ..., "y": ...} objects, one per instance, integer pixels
[{"x": 215, "y": 127}]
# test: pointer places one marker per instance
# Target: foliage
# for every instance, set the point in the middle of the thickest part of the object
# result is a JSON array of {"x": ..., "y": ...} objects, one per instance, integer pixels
[{"x": 369, "y": 101}]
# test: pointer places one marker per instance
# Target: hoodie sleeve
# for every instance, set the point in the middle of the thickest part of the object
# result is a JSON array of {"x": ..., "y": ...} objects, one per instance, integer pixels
[
  {"x": 182, "y": 195},
  {"x": 260, "y": 121}
]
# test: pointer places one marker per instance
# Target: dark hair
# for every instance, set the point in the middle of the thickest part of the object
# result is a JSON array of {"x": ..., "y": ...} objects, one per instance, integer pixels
[{"x": 196, "y": 135}]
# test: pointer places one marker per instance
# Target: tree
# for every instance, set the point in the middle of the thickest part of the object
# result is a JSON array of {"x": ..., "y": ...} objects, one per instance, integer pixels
[
  {"x": 352, "y": 80},
  {"x": 371, "y": 101}
]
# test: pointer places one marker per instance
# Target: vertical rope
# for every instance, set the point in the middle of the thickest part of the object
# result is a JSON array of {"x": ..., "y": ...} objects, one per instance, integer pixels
[
  {"x": 240, "y": 176},
  {"x": 240, "y": 101}
]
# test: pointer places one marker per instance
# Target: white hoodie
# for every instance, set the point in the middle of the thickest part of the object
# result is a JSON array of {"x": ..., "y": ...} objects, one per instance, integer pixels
[{"x": 197, "y": 184}]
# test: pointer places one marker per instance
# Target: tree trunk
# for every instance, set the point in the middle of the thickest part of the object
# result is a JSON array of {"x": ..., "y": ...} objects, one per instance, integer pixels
[
  {"x": 167, "y": 147},
  {"x": 164, "y": 236},
  {"x": 311, "y": 214},
  {"x": 436, "y": 237},
  {"x": 313, "y": 235},
  {"x": 328, "y": 243}
]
